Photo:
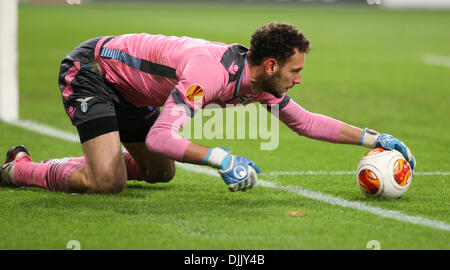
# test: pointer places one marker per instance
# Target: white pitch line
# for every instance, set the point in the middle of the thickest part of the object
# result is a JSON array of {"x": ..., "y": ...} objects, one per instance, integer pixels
[
  {"x": 315, "y": 195},
  {"x": 436, "y": 60},
  {"x": 46, "y": 130},
  {"x": 319, "y": 196}
]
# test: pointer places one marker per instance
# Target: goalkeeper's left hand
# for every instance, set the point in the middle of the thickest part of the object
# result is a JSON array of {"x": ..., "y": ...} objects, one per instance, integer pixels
[
  {"x": 239, "y": 173},
  {"x": 373, "y": 139}
]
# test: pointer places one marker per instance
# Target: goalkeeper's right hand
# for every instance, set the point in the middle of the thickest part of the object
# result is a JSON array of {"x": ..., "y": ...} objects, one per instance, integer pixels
[
  {"x": 373, "y": 139},
  {"x": 239, "y": 173}
]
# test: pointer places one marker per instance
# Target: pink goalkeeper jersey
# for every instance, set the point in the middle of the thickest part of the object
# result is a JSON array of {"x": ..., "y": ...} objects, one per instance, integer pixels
[{"x": 189, "y": 73}]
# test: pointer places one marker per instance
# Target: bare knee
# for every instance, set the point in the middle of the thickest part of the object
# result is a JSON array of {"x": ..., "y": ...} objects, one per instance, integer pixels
[
  {"x": 110, "y": 183},
  {"x": 163, "y": 175},
  {"x": 166, "y": 175},
  {"x": 105, "y": 168}
]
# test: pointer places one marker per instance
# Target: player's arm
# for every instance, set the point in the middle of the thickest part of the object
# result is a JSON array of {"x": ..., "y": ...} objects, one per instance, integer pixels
[
  {"x": 239, "y": 173},
  {"x": 198, "y": 85},
  {"x": 349, "y": 134},
  {"x": 353, "y": 135},
  {"x": 325, "y": 128},
  {"x": 195, "y": 153}
]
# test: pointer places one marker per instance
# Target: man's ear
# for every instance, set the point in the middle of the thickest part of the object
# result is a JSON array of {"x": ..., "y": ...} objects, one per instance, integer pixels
[{"x": 270, "y": 66}]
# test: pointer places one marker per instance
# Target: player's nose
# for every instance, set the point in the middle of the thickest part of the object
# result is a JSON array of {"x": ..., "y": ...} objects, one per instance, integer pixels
[{"x": 297, "y": 79}]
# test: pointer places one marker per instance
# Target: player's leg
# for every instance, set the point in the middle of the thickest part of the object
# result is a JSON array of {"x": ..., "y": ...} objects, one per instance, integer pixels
[
  {"x": 156, "y": 168},
  {"x": 89, "y": 102},
  {"x": 104, "y": 168},
  {"x": 20, "y": 170},
  {"x": 148, "y": 166},
  {"x": 140, "y": 163}
]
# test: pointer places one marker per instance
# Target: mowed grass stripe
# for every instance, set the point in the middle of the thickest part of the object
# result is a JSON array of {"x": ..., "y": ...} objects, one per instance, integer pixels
[{"x": 315, "y": 195}]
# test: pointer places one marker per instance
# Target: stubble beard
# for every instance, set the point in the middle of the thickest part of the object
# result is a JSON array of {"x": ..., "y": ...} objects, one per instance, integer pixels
[{"x": 270, "y": 85}]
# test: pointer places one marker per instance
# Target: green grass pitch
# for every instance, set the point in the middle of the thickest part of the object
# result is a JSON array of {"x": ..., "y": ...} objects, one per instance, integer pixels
[{"x": 366, "y": 68}]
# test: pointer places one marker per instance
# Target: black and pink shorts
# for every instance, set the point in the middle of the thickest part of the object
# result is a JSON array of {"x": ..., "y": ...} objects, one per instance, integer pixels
[{"x": 94, "y": 105}]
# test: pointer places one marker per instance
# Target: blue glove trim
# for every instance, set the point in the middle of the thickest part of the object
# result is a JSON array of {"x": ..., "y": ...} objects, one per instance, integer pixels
[
  {"x": 207, "y": 156},
  {"x": 362, "y": 137},
  {"x": 226, "y": 162}
]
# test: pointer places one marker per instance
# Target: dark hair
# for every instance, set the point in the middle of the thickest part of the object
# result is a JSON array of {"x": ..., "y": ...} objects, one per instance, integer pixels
[{"x": 277, "y": 40}]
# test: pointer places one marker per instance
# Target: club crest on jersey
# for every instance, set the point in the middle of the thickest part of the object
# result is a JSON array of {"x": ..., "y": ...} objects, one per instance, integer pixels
[
  {"x": 194, "y": 93},
  {"x": 84, "y": 104}
]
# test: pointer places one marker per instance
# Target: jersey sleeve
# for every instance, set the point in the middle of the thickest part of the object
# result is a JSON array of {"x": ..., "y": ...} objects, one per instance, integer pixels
[
  {"x": 200, "y": 82},
  {"x": 303, "y": 122},
  {"x": 163, "y": 137}
]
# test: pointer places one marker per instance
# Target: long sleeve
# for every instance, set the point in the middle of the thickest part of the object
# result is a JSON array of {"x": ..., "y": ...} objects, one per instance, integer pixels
[
  {"x": 163, "y": 137},
  {"x": 311, "y": 125},
  {"x": 202, "y": 80}
]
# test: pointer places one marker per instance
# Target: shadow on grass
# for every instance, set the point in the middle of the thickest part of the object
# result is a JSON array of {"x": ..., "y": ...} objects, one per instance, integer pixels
[
  {"x": 364, "y": 199},
  {"x": 142, "y": 185}
]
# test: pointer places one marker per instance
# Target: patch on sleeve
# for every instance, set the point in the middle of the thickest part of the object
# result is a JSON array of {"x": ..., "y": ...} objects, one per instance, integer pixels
[{"x": 194, "y": 93}]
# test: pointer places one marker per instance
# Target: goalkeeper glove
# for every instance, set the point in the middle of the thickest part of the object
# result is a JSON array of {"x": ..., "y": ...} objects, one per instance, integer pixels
[
  {"x": 373, "y": 139},
  {"x": 239, "y": 173}
]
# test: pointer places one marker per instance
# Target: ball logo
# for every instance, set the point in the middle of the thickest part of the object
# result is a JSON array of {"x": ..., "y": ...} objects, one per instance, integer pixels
[
  {"x": 375, "y": 151},
  {"x": 239, "y": 172},
  {"x": 369, "y": 181},
  {"x": 402, "y": 172}
]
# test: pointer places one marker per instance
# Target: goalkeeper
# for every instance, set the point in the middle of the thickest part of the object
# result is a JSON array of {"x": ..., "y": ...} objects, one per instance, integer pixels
[{"x": 112, "y": 89}]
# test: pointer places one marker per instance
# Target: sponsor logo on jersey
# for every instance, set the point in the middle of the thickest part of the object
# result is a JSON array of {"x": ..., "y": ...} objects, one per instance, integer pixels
[
  {"x": 194, "y": 93},
  {"x": 233, "y": 68}
]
